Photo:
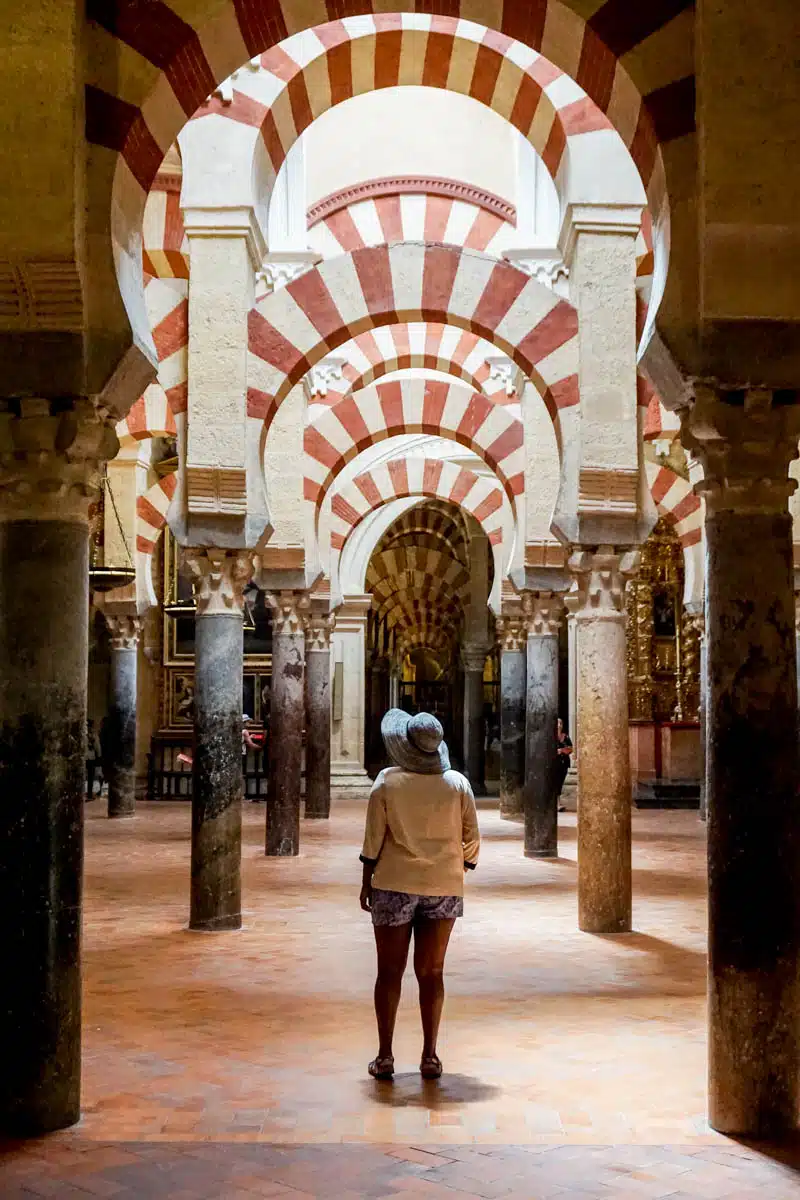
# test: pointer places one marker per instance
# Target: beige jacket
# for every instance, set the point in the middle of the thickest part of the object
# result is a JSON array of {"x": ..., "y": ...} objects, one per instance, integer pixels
[{"x": 421, "y": 832}]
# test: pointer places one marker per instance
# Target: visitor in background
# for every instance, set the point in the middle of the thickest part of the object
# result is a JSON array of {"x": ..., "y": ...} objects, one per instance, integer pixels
[
  {"x": 92, "y": 757},
  {"x": 421, "y": 836},
  {"x": 563, "y": 752}
]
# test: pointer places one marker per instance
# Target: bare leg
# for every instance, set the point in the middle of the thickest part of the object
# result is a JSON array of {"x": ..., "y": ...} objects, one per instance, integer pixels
[
  {"x": 430, "y": 948},
  {"x": 392, "y": 942}
]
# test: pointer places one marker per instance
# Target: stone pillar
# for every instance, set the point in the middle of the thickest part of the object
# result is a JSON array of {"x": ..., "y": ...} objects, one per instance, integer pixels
[
  {"x": 347, "y": 727},
  {"x": 513, "y": 676},
  {"x": 571, "y": 718},
  {"x": 394, "y": 686},
  {"x": 540, "y": 796},
  {"x": 286, "y": 722},
  {"x": 50, "y": 454},
  {"x": 474, "y": 660},
  {"x": 219, "y": 578},
  {"x": 745, "y": 442},
  {"x": 698, "y": 620},
  {"x": 318, "y": 715},
  {"x": 604, "y": 773},
  {"x": 124, "y": 631},
  {"x": 380, "y": 702}
]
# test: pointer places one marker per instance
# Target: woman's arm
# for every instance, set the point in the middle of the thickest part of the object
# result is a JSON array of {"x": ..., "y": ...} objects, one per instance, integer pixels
[
  {"x": 374, "y": 833},
  {"x": 470, "y": 834}
]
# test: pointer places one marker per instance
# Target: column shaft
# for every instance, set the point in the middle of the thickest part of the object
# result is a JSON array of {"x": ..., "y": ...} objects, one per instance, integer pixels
[
  {"x": 474, "y": 730},
  {"x": 43, "y": 664},
  {"x": 318, "y": 731},
  {"x": 122, "y": 715},
  {"x": 286, "y": 727},
  {"x": 217, "y": 784},
  {"x": 604, "y": 777},
  {"x": 541, "y": 763},
  {"x": 513, "y": 678},
  {"x": 753, "y": 825}
]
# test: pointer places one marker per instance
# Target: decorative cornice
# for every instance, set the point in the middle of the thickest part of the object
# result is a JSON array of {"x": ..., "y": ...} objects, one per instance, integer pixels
[
  {"x": 123, "y": 630},
  {"x": 288, "y": 612},
  {"x": 745, "y": 440},
  {"x": 415, "y": 185},
  {"x": 51, "y": 453},
  {"x": 219, "y": 578},
  {"x": 600, "y": 575},
  {"x": 166, "y": 181},
  {"x": 542, "y": 613},
  {"x": 41, "y": 294}
]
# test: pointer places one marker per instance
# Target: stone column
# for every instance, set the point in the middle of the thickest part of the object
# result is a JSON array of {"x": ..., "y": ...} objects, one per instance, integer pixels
[
  {"x": 474, "y": 661},
  {"x": 540, "y": 796},
  {"x": 745, "y": 442},
  {"x": 379, "y": 703},
  {"x": 318, "y": 715},
  {"x": 698, "y": 620},
  {"x": 124, "y": 631},
  {"x": 219, "y": 578},
  {"x": 604, "y": 773},
  {"x": 286, "y": 722},
  {"x": 513, "y": 675},
  {"x": 347, "y": 727},
  {"x": 50, "y": 454}
]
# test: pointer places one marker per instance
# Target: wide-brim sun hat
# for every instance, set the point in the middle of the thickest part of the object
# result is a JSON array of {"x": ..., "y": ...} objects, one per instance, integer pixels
[{"x": 415, "y": 743}]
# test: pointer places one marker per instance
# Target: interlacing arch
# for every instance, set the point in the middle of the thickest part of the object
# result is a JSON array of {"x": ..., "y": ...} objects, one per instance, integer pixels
[
  {"x": 411, "y": 214},
  {"x": 431, "y": 478},
  {"x": 151, "y": 416},
  {"x": 414, "y": 406},
  {"x": 428, "y": 345}
]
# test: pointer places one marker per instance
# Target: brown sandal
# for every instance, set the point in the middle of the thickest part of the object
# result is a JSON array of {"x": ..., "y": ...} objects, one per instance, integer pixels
[
  {"x": 431, "y": 1067},
  {"x": 382, "y": 1068}
]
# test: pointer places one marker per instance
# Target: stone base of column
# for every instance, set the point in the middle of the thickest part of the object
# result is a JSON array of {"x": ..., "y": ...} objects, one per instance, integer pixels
[
  {"x": 345, "y": 777},
  {"x": 569, "y": 792}
]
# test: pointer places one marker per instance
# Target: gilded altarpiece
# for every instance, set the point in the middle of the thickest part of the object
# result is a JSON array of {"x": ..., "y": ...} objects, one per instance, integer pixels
[{"x": 662, "y": 650}]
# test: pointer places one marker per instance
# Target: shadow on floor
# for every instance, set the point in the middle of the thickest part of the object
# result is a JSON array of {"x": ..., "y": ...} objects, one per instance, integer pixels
[{"x": 410, "y": 1090}]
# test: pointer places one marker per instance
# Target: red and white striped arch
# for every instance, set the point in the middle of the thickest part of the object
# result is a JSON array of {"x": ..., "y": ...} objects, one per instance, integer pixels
[
  {"x": 151, "y": 517},
  {"x": 151, "y": 416},
  {"x": 165, "y": 247},
  {"x": 168, "y": 312},
  {"x": 427, "y": 345},
  {"x": 432, "y": 217},
  {"x": 414, "y": 406},
  {"x": 675, "y": 500},
  {"x": 411, "y": 217},
  {"x": 293, "y": 328},
  {"x": 388, "y": 567},
  {"x": 434, "y": 478}
]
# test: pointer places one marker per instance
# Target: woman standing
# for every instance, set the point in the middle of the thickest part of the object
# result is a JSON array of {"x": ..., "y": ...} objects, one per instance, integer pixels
[{"x": 421, "y": 836}]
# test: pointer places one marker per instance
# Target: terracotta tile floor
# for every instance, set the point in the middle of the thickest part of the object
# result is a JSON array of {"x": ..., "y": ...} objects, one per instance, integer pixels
[{"x": 218, "y": 1064}]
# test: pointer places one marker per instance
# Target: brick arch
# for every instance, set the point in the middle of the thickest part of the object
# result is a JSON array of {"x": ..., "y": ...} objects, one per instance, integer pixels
[
  {"x": 181, "y": 57},
  {"x": 387, "y": 410},
  {"x": 151, "y": 517},
  {"x": 429, "y": 478},
  {"x": 151, "y": 416},
  {"x": 388, "y": 566},
  {"x": 312, "y": 316},
  {"x": 676, "y": 501}
]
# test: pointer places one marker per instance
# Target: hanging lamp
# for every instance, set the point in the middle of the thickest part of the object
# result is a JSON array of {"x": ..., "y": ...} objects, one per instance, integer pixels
[{"x": 103, "y": 578}]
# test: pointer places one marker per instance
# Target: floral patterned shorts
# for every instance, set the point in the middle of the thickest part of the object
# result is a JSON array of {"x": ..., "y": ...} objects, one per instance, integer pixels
[{"x": 400, "y": 908}]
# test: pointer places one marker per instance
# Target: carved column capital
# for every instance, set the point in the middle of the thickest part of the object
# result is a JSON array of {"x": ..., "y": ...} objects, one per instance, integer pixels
[
  {"x": 318, "y": 630},
  {"x": 744, "y": 439},
  {"x": 124, "y": 630},
  {"x": 599, "y": 578},
  {"x": 511, "y": 632},
  {"x": 473, "y": 657},
  {"x": 51, "y": 454},
  {"x": 696, "y": 620},
  {"x": 219, "y": 578},
  {"x": 542, "y": 612},
  {"x": 288, "y": 612}
]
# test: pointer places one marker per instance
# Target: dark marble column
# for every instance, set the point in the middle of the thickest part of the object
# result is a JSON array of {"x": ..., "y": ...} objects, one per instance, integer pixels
[
  {"x": 318, "y": 715},
  {"x": 219, "y": 577},
  {"x": 286, "y": 723},
  {"x": 124, "y": 630},
  {"x": 513, "y": 680},
  {"x": 379, "y": 705},
  {"x": 540, "y": 796},
  {"x": 44, "y": 616},
  {"x": 474, "y": 660},
  {"x": 604, "y": 771},
  {"x": 745, "y": 443}
]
